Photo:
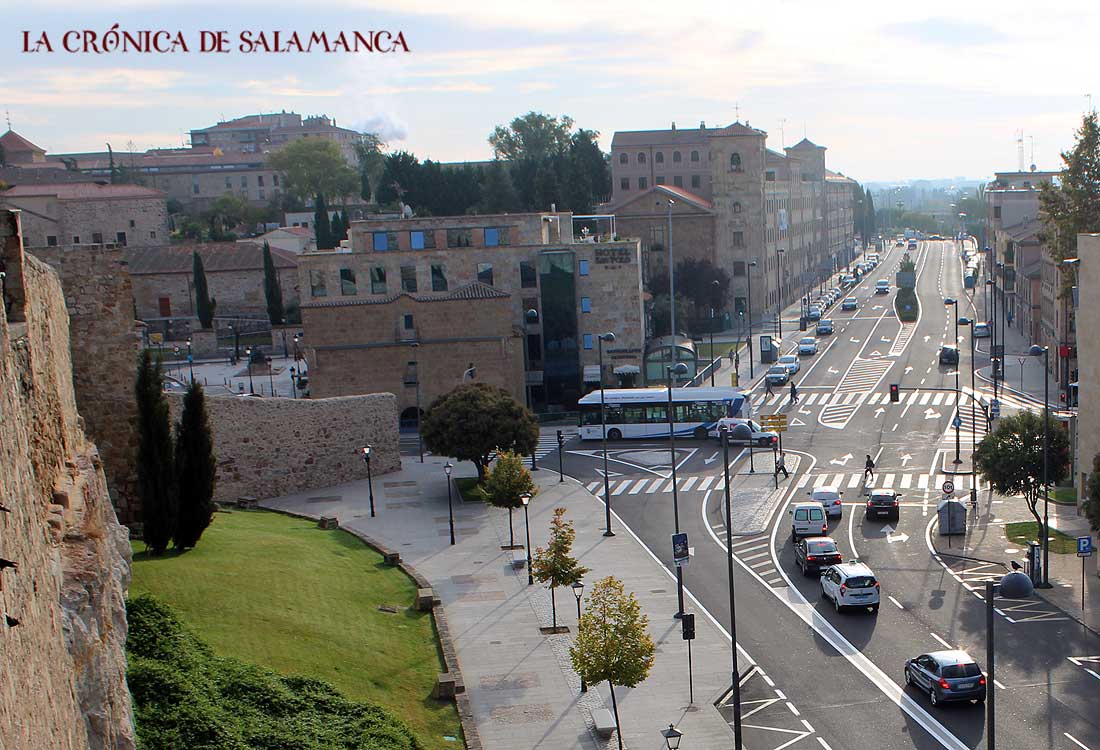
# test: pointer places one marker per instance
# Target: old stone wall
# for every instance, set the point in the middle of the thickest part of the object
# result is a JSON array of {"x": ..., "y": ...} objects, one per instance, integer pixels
[
  {"x": 239, "y": 292},
  {"x": 105, "y": 343},
  {"x": 276, "y": 446},
  {"x": 64, "y": 627}
]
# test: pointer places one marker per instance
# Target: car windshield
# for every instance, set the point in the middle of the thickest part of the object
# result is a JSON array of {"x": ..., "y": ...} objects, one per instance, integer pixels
[
  {"x": 955, "y": 671},
  {"x": 860, "y": 582},
  {"x": 777, "y": 370},
  {"x": 788, "y": 358},
  {"x": 806, "y": 341},
  {"x": 820, "y": 547}
]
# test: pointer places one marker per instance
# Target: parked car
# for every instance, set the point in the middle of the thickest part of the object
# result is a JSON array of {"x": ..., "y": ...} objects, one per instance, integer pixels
[
  {"x": 883, "y": 503},
  {"x": 882, "y": 286},
  {"x": 759, "y": 436},
  {"x": 981, "y": 330},
  {"x": 807, "y": 345},
  {"x": 899, "y": 243},
  {"x": 790, "y": 361},
  {"x": 949, "y": 355},
  {"x": 815, "y": 553},
  {"x": 778, "y": 375},
  {"x": 807, "y": 519},
  {"x": 829, "y": 497},
  {"x": 849, "y": 303},
  {"x": 824, "y": 327},
  {"x": 851, "y": 584},
  {"x": 946, "y": 676},
  {"x": 814, "y": 313}
]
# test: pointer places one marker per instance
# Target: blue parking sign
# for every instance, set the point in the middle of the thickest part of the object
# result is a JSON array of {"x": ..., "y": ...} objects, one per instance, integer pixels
[{"x": 1084, "y": 546}]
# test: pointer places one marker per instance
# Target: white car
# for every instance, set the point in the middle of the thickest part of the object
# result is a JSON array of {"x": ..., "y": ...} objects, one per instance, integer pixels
[
  {"x": 807, "y": 345},
  {"x": 851, "y": 584},
  {"x": 807, "y": 519},
  {"x": 790, "y": 361},
  {"x": 981, "y": 330},
  {"x": 829, "y": 497},
  {"x": 759, "y": 436}
]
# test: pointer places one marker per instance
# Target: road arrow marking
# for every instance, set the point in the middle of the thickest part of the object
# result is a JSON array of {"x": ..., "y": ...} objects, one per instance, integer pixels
[
  {"x": 880, "y": 411},
  {"x": 891, "y": 537},
  {"x": 908, "y": 369},
  {"x": 854, "y": 340},
  {"x": 875, "y": 353},
  {"x": 927, "y": 339},
  {"x": 834, "y": 371},
  {"x": 843, "y": 460},
  {"x": 876, "y": 307},
  {"x": 931, "y": 414},
  {"x": 906, "y": 459},
  {"x": 796, "y": 422},
  {"x": 887, "y": 340},
  {"x": 712, "y": 459},
  {"x": 803, "y": 411}
]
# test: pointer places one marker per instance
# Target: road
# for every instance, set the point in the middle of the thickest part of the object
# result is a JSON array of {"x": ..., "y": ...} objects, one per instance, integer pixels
[{"x": 823, "y": 679}]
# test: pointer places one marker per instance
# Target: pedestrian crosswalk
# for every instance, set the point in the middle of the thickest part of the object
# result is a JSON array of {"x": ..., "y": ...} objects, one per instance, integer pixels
[
  {"x": 890, "y": 480},
  {"x": 860, "y": 396},
  {"x": 650, "y": 484},
  {"x": 548, "y": 442},
  {"x": 755, "y": 551}
]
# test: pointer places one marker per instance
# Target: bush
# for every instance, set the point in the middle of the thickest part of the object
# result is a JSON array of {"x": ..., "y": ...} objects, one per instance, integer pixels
[
  {"x": 185, "y": 696},
  {"x": 906, "y": 304}
]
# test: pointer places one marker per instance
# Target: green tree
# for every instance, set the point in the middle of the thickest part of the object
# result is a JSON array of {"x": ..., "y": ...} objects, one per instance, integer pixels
[
  {"x": 547, "y": 187},
  {"x": 1073, "y": 206},
  {"x": 155, "y": 469},
  {"x": 368, "y": 153},
  {"x": 1092, "y": 495},
  {"x": 498, "y": 192},
  {"x": 344, "y": 224},
  {"x": 225, "y": 214},
  {"x": 475, "y": 419},
  {"x": 870, "y": 223},
  {"x": 1011, "y": 458},
  {"x": 533, "y": 136},
  {"x": 314, "y": 166},
  {"x": 322, "y": 226},
  {"x": 555, "y": 565},
  {"x": 273, "y": 293},
  {"x": 659, "y": 313},
  {"x": 195, "y": 470},
  {"x": 336, "y": 231},
  {"x": 205, "y": 305},
  {"x": 613, "y": 642},
  {"x": 508, "y": 480}
]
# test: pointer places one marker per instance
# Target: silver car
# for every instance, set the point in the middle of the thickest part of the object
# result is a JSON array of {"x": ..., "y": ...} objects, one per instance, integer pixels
[{"x": 946, "y": 676}]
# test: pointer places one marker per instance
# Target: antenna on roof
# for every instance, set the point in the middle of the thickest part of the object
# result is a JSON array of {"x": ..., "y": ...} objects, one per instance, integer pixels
[
  {"x": 737, "y": 112},
  {"x": 7, "y": 113},
  {"x": 1020, "y": 150},
  {"x": 1032, "y": 139},
  {"x": 782, "y": 134}
]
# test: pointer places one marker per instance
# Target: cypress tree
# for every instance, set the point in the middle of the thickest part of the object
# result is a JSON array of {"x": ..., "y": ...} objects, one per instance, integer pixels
[
  {"x": 156, "y": 476},
  {"x": 337, "y": 229},
  {"x": 345, "y": 224},
  {"x": 322, "y": 229},
  {"x": 273, "y": 293},
  {"x": 195, "y": 470},
  {"x": 204, "y": 303},
  {"x": 364, "y": 186}
]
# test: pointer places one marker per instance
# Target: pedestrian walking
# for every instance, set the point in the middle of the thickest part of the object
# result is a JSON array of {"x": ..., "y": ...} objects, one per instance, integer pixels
[
  {"x": 781, "y": 466},
  {"x": 794, "y": 393},
  {"x": 767, "y": 386},
  {"x": 868, "y": 470}
]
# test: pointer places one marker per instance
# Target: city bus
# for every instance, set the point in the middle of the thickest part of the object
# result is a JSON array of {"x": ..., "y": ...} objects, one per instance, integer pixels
[{"x": 642, "y": 412}]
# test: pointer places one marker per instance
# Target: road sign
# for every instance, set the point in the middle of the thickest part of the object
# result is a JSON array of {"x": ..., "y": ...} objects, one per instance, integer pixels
[
  {"x": 995, "y": 408},
  {"x": 957, "y": 421},
  {"x": 156, "y": 338},
  {"x": 687, "y": 626},
  {"x": 948, "y": 487},
  {"x": 680, "y": 551},
  {"x": 1084, "y": 546}
]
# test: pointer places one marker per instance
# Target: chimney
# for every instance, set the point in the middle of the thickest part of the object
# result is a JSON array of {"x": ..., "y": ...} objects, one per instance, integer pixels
[{"x": 673, "y": 124}]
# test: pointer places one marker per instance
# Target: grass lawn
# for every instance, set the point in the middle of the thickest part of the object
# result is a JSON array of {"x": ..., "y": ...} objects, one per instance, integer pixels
[
  {"x": 1022, "y": 533},
  {"x": 471, "y": 491},
  {"x": 279, "y": 592},
  {"x": 1064, "y": 495}
]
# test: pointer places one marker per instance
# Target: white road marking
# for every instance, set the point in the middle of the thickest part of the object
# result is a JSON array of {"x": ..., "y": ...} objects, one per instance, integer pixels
[
  {"x": 896, "y": 602},
  {"x": 944, "y": 643},
  {"x": 793, "y": 709},
  {"x": 688, "y": 483},
  {"x": 1075, "y": 741},
  {"x": 707, "y": 481}
]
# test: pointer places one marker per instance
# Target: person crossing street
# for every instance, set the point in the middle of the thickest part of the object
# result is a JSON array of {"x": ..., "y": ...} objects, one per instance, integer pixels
[
  {"x": 794, "y": 393},
  {"x": 868, "y": 470}
]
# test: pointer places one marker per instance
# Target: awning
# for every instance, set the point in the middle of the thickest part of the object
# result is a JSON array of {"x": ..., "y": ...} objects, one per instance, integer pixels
[
  {"x": 627, "y": 370},
  {"x": 591, "y": 373}
]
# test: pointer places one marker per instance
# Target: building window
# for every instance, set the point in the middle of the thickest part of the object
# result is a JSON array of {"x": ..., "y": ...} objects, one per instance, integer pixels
[
  {"x": 496, "y": 236},
  {"x": 659, "y": 179},
  {"x": 996, "y": 212},
  {"x": 195, "y": 187},
  {"x": 407, "y": 321},
  {"x": 51, "y": 240},
  {"x": 738, "y": 239},
  {"x": 317, "y": 284},
  {"x": 422, "y": 240},
  {"x": 623, "y": 158},
  {"x": 260, "y": 180},
  {"x": 643, "y": 183},
  {"x": 408, "y": 278},
  {"x": 586, "y": 304},
  {"x": 676, "y": 157},
  {"x": 678, "y": 180},
  {"x": 695, "y": 156},
  {"x": 624, "y": 183},
  {"x": 528, "y": 279},
  {"x": 275, "y": 180},
  {"x": 164, "y": 306},
  {"x": 347, "y": 282},
  {"x": 460, "y": 238},
  {"x": 641, "y": 157},
  {"x": 378, "y": 280},
  {"x": 696, "y": 181},
  {"x": 152, "y": 235},
  {"x": 381, "y": 241},
  {"x": 735, "y": 161},
  {"x": 769, "y": 176},
  {"x": 76, "y": 239},
  {"x": 582, "y": 266},
  {"x": 228, "y": 183},
  {"x": 534, "y": 346},
  {"x": 132, "y": 224},
  {"x": 97, "y": 238},
  {"x": 120, "y": 238},
  {"x": 659, "y": 157},
  {"x": 739, "y": 268},
  {"x": 485, "y": 273},
  {"x": 244, "y": 181},
  {"x": 439, "y": 279},
  {"x": 737, "y": 207},
  {"x": 588, "y": 341},
  {"x": 807, "y": 177}
]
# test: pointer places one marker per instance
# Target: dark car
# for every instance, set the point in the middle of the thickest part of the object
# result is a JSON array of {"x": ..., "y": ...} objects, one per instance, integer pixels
[
  {"x": 815, "y": 553},
  {"x": 946, "y": 676},
  {"x": 883, "y": 503},
  {"x": 949, "y": 355},
  {"x": 824, "y": 327}
]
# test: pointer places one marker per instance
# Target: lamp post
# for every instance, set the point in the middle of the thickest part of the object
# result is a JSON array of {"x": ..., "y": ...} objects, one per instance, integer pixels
[
  {"x": 561, "y": 461},
  {"x": 447, "y": 468},
  {"x": 672, "y": 737},
  {"x": 578, "y": 591},
  {"x": 530, "y": 316},
  {"x": 1036, "y": 351},
  {"x": 248, "y": 353},
  {"x": 1014, "y": 585},
  {"x": 190, "y": 360},
  {"x": 678, "y": 369},
  {"x": 992, "y": 283},
  {"x": 778, "y": 294},
  {"x": 416, "y": 382},
  {"x": 293, "y": 386},
  {"x": 286, "y": 352},
  {"x": 610, "y": 338},
  {"x": 176, "y": 353},
  {"x": 736, "y": 673},
  {"x": 748, "y": 267},
  {"x": 525, "y": 498},
  {"x": 671, "y": 291},
  {"x": 740, "y": 337},
  {"x": 366, "y": 449},
  {"x": 973, "y": 416},
  {"x": 717, "y": 287},
  {"x": 236, "y": 329},
  {"x": 958, "y": 364}
]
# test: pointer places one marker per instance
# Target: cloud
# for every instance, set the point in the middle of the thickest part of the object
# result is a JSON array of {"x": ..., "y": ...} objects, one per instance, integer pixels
[
  {"x": 386, "y": 125},
  {"x": 289, "y": 86},
  {"x": 946, "y": 32}
]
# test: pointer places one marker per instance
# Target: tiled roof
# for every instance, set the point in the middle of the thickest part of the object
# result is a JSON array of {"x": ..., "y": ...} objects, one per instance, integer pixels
[
  {"x": 676, "y": 193},
  {"x": 13, "y": 142},
  {"x": 216, "y": 257},
  {"x": 679, "y": 192},
  {"x": 473, "y": 291},
  {"x": 82, "y": 191},
  {"x": 805, "y": 143},
  {"x": 40, "y": 174},
  {"x": 303, "y": 231},
  {"x": 737, "y": 128},
  {"x": 1025, "y": 230},
  {"x": 679, "y": 136}
]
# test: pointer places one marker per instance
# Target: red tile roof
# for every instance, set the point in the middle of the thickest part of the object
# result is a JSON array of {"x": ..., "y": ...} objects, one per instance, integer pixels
[
  {"x": 13, "y": 142},
  {"x": 82, "y": 191}
]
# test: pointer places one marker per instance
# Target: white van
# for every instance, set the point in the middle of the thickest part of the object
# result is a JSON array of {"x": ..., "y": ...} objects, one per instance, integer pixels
[{"x": 808, "y": 519}]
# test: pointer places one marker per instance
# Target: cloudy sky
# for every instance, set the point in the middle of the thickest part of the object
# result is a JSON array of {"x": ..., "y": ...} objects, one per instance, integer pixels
[{"x": 894, "y": 90}]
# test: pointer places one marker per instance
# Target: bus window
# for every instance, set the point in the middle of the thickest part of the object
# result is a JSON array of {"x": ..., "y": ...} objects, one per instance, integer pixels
[{"x": 656, "y": 414}]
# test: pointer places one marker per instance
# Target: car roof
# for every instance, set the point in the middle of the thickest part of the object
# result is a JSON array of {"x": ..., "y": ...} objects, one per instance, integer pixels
[
  {"x": 953, "y": 656},
  {"x": 854, "y": 568},
  {"x": 804, "y": 339},
  {"x": 949, "y": 346},
  {"x": 825, "y": 320},
  {"x": 881, "y": 491},
  {"x": 820, "y": 538},
  {"x": 806, "y": 504},
  {"x": 826, "y": 488}
]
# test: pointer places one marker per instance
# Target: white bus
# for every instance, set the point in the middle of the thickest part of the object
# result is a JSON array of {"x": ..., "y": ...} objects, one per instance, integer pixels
[{"x": 643, "y": 412}]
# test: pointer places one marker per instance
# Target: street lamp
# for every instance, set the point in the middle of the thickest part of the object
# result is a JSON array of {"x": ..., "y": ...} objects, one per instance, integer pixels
[
  {"x": 724, "y": 430},
  {"x": 1043, "y": 351},
  {"x": 293, "y": 386},
  {"x": 748, "y": 273},
  {"x": 1014, "y": 585},
  {"x": 779, "y": 293},
  {"x": 531, "y": 316},
  {"x": 561, "y": 460},
  {"x": 248, "y": 353},
  {"x": 717, "y": 287},
  {"x": 678, "y": 369},
  {"x": 671, "y": 289},
  {"x": 525, "y": 498},
  {"x": 609, "y": 337},
  {"x": 447, "y": 468},
  {"x": 672, "y": 737},
  {"x": 366, "y": 449},
  {"x": 176, "y": 352},
  {"x": 190, "y": 360},
  {"x": 992, "y": 314},
  {"x": 578, "y": 591},
  {"x": 973, "y": 416},
  {"x": 958, "y": 398}
]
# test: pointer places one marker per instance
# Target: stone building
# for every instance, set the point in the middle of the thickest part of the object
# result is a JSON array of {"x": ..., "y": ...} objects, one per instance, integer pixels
[
  {"x": 18, "y": 151},
  {"x": 89, "y": 213},
  {"x": 734, "y": 201},
  {"x": 1088, "y": 413},
  {"x": 561, "y": 292},
  {"x": 270, "y": 132},
  {"x": 295, "y": 240}
]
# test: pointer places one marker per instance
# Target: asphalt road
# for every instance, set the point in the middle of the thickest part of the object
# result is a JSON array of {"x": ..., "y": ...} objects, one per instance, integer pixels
[{"x": 830, "y": 680}]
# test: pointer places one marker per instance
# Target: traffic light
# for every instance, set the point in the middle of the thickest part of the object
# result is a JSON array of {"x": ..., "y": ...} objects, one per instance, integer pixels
[
  {"x": 687, "y": 624},
  {"x": 561, "y": 438},
  {"x": 895, "y": 393}
]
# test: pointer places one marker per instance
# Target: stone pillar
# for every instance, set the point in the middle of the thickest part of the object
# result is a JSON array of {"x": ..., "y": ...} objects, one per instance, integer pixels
[
  {"x": 204, "y": 343},
  {"x": 282, "y": 340}
]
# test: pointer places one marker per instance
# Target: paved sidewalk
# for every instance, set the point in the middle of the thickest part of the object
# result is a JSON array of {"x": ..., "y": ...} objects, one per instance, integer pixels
[{"x": 520, "y": 689}]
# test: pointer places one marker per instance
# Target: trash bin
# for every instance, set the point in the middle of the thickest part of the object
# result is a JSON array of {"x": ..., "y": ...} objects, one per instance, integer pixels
[
  {"x": 952, "y": 517},
  {"x": 768, "y": 352}
]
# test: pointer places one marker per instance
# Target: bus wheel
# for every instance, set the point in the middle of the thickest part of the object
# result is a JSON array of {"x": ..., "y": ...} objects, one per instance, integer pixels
[
  {"x": 614, "y": 434},
  {"x": 700, "y": 433}
]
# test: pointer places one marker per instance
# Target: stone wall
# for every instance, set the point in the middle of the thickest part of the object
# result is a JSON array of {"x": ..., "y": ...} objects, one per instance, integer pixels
[
  {"x": 105, "y": 343},
  {"x": 62, "y": 655},
  {"x": 268, "y": 447},
  {"x": 84, "y": 221}
]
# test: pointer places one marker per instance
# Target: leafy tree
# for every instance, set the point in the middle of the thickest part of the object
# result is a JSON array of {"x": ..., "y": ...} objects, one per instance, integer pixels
[
  {"x": 1092, "y": 495},
  {"x": 225, "y": 214},
  {"x": 368, "y": 153},
  {"x": 322, "y": 227},
  {"x": 336, "y": 231},
  {"x": 1011, "y": 458},
  {"x": 156, "y": 473},
  {"x": 314, "y": 166},
  {"x": 195, "y": 470},
  {"x": 533, "y": 136},
  {"x": 345, "y": 224},
  {"x": 695, "y": 279},
  {"x": 555, "y": 565},
  {"x": 659, "y": 313},
  {"x": 613, "y": 642},
  {"x": 273, "y": 293},
  {"x": 364, "y": 186},
  {"x": 585, "y": 155},
  {"x": 475, "y": 419},
  {"x": 870, "y": 225},
  {"x": 4, "y": 159},
  {"x": 509, "y": 479},
  {"x": 1073, "y": 207},
  {"x": 498, "y": 192},
  {"x": 205, "y": 305},
  {"x": 547, "y": 187}
]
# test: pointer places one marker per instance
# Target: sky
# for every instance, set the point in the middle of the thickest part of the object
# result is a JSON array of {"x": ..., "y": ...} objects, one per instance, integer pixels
[{"x": 895, "y": 91}]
